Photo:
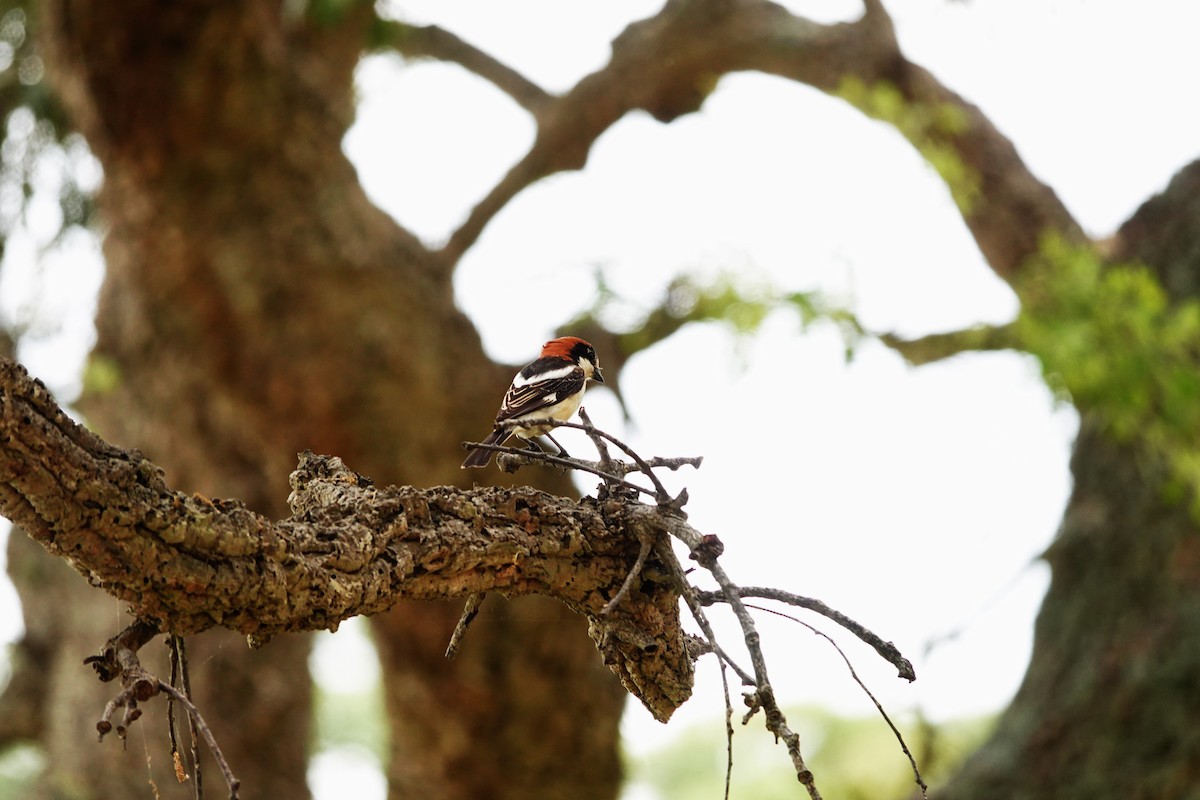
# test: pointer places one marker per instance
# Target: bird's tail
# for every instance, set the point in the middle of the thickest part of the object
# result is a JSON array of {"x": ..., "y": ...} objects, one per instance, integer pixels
[{"x": 480, "y": 457}]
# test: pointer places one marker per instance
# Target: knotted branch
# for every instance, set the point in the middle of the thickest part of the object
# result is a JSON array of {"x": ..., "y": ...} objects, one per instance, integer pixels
[
  {"x": 654, "y": 527},
  {"x": 185, "y": 563}
]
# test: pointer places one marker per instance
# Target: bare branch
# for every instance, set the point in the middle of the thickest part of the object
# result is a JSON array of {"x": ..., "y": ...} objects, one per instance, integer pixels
[
  {"x": 912, "y": 761},
  {"x": 886, "y": 649},
  {"x": 430, "y": 41},
  {"x": 198, "y": 721},
  {"x": 938, "y": 346},
  {"x": 187, "y": 563},
  {"x": 635, "y": 573},
  {"x": 119, "y": 660},
  {"x": 667, "y": 65}
]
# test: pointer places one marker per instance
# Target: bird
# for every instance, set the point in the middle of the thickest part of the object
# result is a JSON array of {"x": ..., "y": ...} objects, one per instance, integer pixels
[{"x": 548, "y": 388}]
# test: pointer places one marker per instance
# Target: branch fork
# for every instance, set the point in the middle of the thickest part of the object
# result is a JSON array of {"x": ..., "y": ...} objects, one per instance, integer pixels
[{"x": 185, "y": 563}]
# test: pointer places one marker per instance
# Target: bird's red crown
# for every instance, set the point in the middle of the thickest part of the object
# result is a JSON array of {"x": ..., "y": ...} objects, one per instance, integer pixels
[{"x": 568, "y": 348}]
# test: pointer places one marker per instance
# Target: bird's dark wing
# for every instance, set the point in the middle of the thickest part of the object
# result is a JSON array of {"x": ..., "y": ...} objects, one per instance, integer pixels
[{"x": 526, "y": 399}]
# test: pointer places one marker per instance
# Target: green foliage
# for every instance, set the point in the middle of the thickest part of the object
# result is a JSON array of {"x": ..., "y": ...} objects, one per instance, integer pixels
[
  {"x": 1109, "y": 339},
  {"x": 330, "y": 12},
  {"x": 852, "y": 759},
  {"x": 928, "y": 127},
  {"x": 730, "y": 300}
]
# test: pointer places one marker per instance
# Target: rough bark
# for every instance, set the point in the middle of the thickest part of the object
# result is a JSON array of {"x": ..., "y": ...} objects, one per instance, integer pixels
[
  {"x": 1109, "y": 704},
  {"x": 185, "y": 564},
  {"x": 256, "y": 304},
  {"x": 233, "y": 248}
]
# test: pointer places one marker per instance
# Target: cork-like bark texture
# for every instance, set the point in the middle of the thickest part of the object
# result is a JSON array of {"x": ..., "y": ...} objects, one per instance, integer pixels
[
  {"x": 189, "y": 563},
  {"x": 257, "y": 305}
]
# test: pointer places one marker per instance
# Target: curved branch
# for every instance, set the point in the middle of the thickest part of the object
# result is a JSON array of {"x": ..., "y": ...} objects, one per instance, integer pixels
[
  {"x": 667, "y": 65},
  {"x": 431, "y": 41},
  {"x": 187, "y": 563}
]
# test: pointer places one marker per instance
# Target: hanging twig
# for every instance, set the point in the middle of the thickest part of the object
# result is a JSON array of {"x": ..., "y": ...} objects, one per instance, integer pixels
[
  {"x": 194, "y": 714},
  {"x": 632, "y": 636},
  {"x": 471, "y": 608},
  {"x": 728, "y": 729},
  {"x": 764, "y": 692},
  {"x": 706, "y": 550},
  {"x": 634, "y": 572},
  {"x": 886, "y": 649},
  {"x": 119, "y": 660},
  {"x": 854, "y": 674}
]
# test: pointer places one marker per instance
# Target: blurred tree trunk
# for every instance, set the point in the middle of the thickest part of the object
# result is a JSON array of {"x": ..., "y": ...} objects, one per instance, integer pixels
[
  {"x": 257, "y": 304},
  {"x": 1110, "y": 705}
]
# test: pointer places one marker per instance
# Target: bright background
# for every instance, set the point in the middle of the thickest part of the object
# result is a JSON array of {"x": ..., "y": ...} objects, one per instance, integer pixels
[{"x": 914, "y": 500}]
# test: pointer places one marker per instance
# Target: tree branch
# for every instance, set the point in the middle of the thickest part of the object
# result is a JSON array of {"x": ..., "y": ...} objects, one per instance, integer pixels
[
  {"x": 187, "y": 563},
  {"x": 939, "y": 346},
  {"x": 667, "y": 65},
  {"x": 430, "y": 41}
]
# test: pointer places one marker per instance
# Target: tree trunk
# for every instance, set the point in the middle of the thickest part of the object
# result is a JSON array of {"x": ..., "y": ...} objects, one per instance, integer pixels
[
  {"x": 256, "y": 304},
  {"x": 1110, "y": 705}
]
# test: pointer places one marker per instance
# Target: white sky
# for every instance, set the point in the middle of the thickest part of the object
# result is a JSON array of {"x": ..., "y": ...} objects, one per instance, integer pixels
[{"x": 914, "y": 500}]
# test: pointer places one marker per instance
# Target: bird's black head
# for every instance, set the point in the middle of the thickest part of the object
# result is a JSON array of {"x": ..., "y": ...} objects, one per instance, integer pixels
[{"x": 576, "y": 350}]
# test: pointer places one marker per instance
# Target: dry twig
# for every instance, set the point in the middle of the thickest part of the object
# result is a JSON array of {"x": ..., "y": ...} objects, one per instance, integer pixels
[
  {"x": 351, "y": 548},
  {"x": 119, "y": 660}
]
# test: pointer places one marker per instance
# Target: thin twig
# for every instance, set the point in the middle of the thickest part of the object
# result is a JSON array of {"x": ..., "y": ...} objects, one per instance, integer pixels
[
  {"x": 172, "y": 724},
  {"x": 185, "y": 686},
  {"x": 474, "y": 601},
  {"x": 688, "y": 593},
  {"x": 194, "y": 714},
  {"x": 645, "y": 467},
  {"x": 660, "y": 491},
  {"x": 728, "y": 730},
  {"x": 606, "y": 460},
  {"x": 638, "y": 566},
  {"x": 775, "y": 718},
  {"x": 764, "y": 695},
  {"x": 853, "y": 674},
  {"x": 885, "y": 649},
  {"x": 542, "y": 455}
]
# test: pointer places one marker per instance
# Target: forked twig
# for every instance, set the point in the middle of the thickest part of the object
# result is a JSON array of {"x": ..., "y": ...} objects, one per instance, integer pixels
[
  {"x": 862, "y": 685},
  {"x": 198, "y": 720},
  {"x": 601, "y": 468},
  {"x": 765, "y": 693},
  {"x": 885, "y": 649},
  {"x": 529, "y": 455},
  {"x": 647, "y": 523},
  {"x": 119, "y": 660},
  {"x": 181, "y": 679},
  {"x": 686, "y": 591}
]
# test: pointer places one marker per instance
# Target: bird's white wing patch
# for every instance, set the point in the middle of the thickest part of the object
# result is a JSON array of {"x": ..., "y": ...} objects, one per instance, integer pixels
[{"x": 554, "y": 374}]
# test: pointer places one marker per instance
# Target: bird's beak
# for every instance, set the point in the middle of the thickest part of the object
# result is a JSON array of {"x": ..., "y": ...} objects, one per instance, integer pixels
[{"x": 597, "y": 376}]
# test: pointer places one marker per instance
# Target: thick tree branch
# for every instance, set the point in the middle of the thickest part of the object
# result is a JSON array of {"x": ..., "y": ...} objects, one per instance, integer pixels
[
  {"x": 666, "y": 65},
  {"x": 187, "y": 563}
]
